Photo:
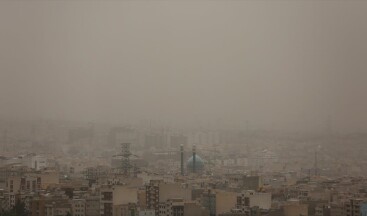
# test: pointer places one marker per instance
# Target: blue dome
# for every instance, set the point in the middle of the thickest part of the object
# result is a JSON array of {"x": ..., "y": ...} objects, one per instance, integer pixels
[{"x": 199, "y": 164}]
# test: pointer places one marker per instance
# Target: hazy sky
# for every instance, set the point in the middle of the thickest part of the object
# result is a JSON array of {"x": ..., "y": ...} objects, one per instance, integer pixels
[{"x": 277, "y": 64}]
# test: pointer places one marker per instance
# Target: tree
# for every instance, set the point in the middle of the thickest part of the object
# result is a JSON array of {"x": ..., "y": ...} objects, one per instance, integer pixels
[
  {"x": 8, "y": 213},
  {"x": 17, "y": 210}
]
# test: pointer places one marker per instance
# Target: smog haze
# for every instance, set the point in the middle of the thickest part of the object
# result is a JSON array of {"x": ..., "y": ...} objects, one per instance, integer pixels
[{"x": 288, "y": 65}]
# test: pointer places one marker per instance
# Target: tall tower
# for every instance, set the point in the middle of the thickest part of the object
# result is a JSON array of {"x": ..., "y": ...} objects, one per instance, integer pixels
[
  {"x": 182, "y": 159},
  {"x": 194, "y": 159},
  {"x": 125, "y": 160}
]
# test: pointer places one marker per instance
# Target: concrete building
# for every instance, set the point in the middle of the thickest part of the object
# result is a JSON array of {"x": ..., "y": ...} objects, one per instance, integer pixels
[
  {"x": 352, "y": 207},
  {"x": 193, "y": 208},
  {"x": 363, "y": 209},
  {"x": 336, "y": 210},
  {"x": 147, "y": 212},
  {"x": 160, "y": 192},
  {"x": 177, "y": 140},
  {"x": 38, "y": 162},
  {"x": 295, "y": 208},
  {"x": 58, "y": 208},
  {"x": 252, "y": 183},
  {"x": 78, "y": 207},
  {"x": 171, "y": 207},
  {"x": 119, "y": 135},
  {"x": 142, "y": 199},
  {"x": 106, "y": 201},
  {"x": 179, "y": 207},
  {"x": 241, "y": 212},
  {"x": 234, "y": 214},
  {"x": 157, "y": 140},
  {"x": 38, "y": 206},
  {"x": 217, "y": 201},
  {"x": 115, "y": 195},
  {"x": 12, "y": 170},
  {"x": 152, "y": 195},
  {"x": 124, "y": 195},
  {"x": 322, "y": 210},
  {"x": 173, "y": 191},
  {"x": 129, "y": 209},
  {"x": 93, "y": 174},
  {"x": 49, "y": 178},
  {"x": 21, "y": 186},
  {"x": 254, "y": 199},
  {"x": 4, "y": 202},
  {"x": 92, "y": 206}
]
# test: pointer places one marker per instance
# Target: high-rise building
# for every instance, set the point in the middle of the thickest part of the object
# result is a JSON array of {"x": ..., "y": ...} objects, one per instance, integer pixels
[
  {"x": 152, "y": 195},
  {"x": 178, "y": 140},
  {"x": 155, "y": 140},
  {"x": 353, "y": 207}
]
